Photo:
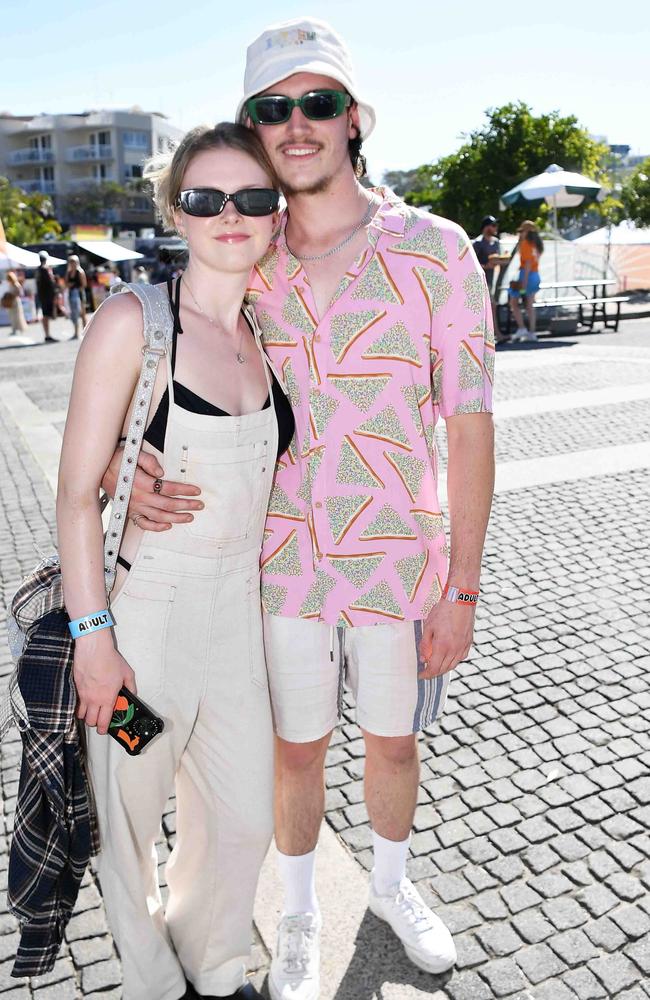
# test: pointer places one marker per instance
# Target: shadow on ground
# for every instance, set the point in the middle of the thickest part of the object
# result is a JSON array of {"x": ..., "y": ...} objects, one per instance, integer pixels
[{"x": 389, "y": 969}]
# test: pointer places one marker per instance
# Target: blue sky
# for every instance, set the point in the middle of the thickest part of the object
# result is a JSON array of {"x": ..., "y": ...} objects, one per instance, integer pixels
[{"x": 431, "y": 73}]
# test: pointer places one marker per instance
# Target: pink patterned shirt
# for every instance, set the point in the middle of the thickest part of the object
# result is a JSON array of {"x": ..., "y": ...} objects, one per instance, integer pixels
[{"x": 354, "y": 534}]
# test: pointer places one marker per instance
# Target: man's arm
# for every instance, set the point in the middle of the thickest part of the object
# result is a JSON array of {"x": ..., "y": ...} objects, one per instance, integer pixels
[{"x": 448, "y": 630}]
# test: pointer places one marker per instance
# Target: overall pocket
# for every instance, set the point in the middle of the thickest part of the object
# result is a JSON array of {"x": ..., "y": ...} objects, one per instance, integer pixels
[
  {"x": 230, "y": 481},
  {"x": 142, "y": 612}
]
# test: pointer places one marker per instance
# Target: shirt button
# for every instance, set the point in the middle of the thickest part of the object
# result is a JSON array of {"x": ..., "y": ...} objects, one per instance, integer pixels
[
  {"x": 319, "y": 556},
  {"x": 316, "y": 392},
  {"x": 318, "y": 504}
]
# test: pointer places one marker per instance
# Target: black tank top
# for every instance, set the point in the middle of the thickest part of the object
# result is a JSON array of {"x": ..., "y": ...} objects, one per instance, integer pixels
[{"x": 188, "y": 400}]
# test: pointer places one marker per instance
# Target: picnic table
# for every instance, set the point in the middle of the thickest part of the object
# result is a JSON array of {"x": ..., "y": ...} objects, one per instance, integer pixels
[{"x": 588, "y": 296}]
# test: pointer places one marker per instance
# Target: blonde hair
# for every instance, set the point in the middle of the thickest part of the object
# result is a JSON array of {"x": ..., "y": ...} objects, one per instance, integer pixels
[{"x": 166, "y": 172}]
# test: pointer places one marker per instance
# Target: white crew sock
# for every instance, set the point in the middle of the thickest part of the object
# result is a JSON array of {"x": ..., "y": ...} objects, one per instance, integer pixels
[
  {"x": 298, "y": 878},
  {"x": 390, "y": 863}
]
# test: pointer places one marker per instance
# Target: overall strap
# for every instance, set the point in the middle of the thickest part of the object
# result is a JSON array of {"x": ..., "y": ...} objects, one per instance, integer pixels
[
  {"x": 158, "y": 326},
  {"x": 251, "y": 319}
]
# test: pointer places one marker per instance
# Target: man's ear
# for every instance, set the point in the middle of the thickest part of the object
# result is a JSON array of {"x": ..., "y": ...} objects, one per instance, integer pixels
[{"x": 354, "y": 122}]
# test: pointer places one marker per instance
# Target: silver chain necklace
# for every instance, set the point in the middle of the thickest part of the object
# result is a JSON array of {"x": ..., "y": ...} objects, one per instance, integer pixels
[
  {"x": 339, "y": 246},
  {"x": 238, "y": 354}
]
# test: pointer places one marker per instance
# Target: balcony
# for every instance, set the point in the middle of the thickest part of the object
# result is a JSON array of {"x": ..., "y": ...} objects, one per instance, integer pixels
[
  {"x": 89, "y": 154},
  {"x": 83, "y": 182},
  {"x": 36, "y": 187},
  {"x": 30, "y": 155}
]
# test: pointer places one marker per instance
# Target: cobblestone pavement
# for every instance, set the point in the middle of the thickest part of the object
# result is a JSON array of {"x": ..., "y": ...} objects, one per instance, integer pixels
[{"x": 532, "y": 831}]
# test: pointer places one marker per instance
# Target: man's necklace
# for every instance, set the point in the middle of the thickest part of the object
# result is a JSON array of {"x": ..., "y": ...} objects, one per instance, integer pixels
[
  {"x": 238, "y": 354},
  {"x": 339, "y": 246}
]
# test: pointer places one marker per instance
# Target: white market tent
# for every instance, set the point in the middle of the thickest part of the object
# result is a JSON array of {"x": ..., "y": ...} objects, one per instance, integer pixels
[
  {"x": 13, "y": 257},
  {"x": 108, "y": 250},
  {"x": 625, "y": 234},
  {"x": 624, "y": 251}
]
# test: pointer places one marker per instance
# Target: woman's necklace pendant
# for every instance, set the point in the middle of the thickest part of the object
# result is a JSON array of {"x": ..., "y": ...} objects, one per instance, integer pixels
[{"x": 241, "y": 358}]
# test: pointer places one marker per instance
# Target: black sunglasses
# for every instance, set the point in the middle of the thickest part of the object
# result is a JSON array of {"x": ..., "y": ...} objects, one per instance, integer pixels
[
  {"x": 319, "y": 105},
  {"x": 205, "y": 202}
]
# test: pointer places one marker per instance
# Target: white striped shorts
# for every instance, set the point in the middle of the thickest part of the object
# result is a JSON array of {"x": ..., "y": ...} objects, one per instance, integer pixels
[{"x": 309, "y": 663}]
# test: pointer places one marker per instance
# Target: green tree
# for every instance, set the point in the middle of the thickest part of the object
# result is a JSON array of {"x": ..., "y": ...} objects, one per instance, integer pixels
[
  {"x": 512, "y": 145},
  {"x": 27, "y": 218},
  {"x": 635, "y": 195},
  {"x": 89, "y": 204}
]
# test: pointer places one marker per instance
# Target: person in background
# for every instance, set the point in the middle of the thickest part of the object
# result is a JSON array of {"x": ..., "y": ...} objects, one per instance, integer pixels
[
  {"x": 46, "y": 288},
  {"x": 75, "y": 280},
  {"x": 527, "y": 284},
  {"x": 12, "y": 301},
  {"x": 140, "y": 276},
  {"x": 488, "y": 251}
]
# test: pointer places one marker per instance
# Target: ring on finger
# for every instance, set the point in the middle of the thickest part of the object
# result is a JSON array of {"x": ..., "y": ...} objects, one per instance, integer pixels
[
  {"x": 157, "y": 485},
  {"x": 136, "y": 518}
]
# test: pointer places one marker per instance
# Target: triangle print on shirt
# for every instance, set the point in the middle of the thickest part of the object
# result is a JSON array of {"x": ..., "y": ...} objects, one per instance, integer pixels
[
  {"x": 380, "y": 601},
  {"x": 376, "y": 283},
  {"x": 348, "y": 327},
  {"x": 362, "y": 390},
  {"x": 343, "y": 512},
  {"x": 353, "y": 469},
  {"x": 395, "y": 344}
]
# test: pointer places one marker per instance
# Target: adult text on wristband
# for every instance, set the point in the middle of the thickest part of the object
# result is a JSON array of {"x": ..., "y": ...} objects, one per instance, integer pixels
[
  {"x": 90, "y": 623},
  {"x": 456, "y": 595}
]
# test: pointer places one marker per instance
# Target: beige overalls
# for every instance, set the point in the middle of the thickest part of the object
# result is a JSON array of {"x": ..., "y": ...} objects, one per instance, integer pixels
[{"x": 188, "y": 621}]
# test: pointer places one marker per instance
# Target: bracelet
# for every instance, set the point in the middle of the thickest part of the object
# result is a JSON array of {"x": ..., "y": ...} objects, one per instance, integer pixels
[
  {"x": 456, "y": 595},
  {"x": 90, "y": 623}
]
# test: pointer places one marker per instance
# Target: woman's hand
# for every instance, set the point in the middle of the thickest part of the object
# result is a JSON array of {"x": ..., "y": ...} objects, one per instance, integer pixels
[
  {"x": 99, "y": 673},
  {"x": 158, "y": 510}
]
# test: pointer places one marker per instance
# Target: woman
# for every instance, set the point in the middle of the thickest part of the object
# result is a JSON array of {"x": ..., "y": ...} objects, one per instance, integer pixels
[
  {"x": 75, "y": 282},
  {"x": 14, "y": 296},
  {"x": 186, "y": 602},
  {"x": 530, "y": 249}
]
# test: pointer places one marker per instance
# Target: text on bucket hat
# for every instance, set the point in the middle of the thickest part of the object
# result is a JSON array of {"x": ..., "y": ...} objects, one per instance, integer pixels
[{"x": 303, "y": 45}]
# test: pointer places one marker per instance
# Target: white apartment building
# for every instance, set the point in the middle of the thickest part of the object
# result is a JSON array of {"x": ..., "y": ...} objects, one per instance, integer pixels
[{"x": 58, "y": 154}]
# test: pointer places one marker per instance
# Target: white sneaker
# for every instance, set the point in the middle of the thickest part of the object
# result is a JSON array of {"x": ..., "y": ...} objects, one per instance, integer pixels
[
  {"x": 295, "y": 968},
  {"x": 520, "y": 333},
  {"x": 426, "y": 940},
  {"x": 526, "y": 336}
]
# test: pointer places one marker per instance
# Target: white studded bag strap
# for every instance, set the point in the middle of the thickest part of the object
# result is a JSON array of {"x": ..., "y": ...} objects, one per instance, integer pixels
[{"x": 158, "y": 326}]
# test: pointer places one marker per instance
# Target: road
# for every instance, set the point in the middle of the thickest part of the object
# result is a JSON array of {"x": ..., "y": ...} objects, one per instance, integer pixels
[{"x": 532, "y": 831}]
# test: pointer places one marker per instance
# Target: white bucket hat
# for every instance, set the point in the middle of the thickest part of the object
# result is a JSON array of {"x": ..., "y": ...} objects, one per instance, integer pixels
[{"x": 302, "y": 45}]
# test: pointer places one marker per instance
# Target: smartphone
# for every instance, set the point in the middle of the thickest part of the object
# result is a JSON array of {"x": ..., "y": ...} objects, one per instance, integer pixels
[{"x": 133, "y": 724}]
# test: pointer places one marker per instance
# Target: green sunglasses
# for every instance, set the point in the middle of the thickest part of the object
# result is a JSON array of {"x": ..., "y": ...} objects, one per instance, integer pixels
[{"x": 318, "y": 105}]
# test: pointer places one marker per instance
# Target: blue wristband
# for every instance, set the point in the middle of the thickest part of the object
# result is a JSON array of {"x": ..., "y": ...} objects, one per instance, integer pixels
[{"x": 90, "y": 623}]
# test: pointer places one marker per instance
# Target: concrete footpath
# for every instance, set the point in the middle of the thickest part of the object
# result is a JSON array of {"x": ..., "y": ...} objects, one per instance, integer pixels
[{"x": 532, "y": 834}]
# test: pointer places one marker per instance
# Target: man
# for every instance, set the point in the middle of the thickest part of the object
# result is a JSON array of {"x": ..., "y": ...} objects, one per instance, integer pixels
[
  {"x": 488, "y": 251},
  {"x": 46, "y": 289},
  {"x": 378, "y": 317}
]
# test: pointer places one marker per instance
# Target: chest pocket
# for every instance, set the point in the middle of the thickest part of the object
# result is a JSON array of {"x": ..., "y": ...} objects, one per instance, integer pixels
[{"x": 231, "y": 480}]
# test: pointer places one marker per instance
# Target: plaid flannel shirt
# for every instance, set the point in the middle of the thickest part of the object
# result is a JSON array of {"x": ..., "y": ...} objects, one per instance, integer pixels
[{"x": 55, "y": 829}]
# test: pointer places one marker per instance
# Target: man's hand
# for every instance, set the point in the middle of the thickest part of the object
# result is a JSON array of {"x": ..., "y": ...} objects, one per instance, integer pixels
[
  {"x": 446, "y": 638},
  {"x": 160, "y": 509}
]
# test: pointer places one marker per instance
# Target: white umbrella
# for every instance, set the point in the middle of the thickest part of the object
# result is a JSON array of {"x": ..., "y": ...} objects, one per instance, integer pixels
[
  {"x": 13, "y": 257},
  {"x": 558, "y": 188}
]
